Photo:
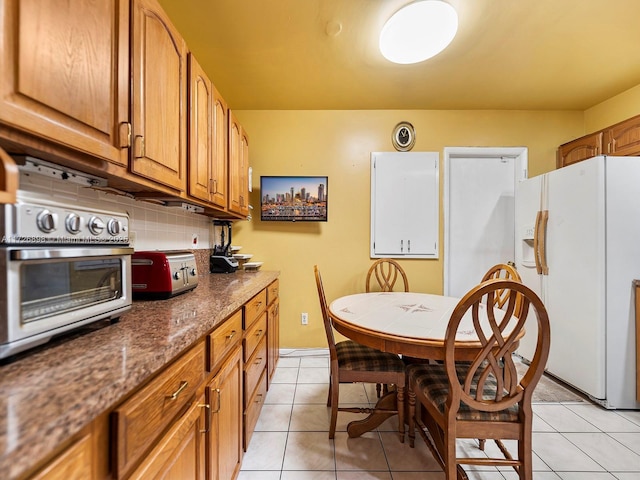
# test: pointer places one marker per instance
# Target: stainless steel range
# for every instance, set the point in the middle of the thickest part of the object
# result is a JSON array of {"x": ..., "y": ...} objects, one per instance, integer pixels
[{"x": 61, "y": 266}]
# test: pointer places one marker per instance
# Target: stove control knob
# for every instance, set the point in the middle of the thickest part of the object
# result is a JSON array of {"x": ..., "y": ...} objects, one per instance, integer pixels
[
  {"x": 47, "y": 221},
  {"x": 114, "y": 227},
  {"x": 72, "y": 222},
  {"x": 96, "y": 225}
]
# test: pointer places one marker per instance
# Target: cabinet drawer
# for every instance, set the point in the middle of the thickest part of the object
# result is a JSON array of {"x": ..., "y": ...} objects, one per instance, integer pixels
[
  {"x": 253, "y": 336},
  {"x": 222, "y": 340},
  {"x": 142, "y": 418},
  {"x": 254, "y": 368},
  {"x": 272, "y": 291},
  {"x": 254, "y": 308},
  {"x": 252, "y": 412}
]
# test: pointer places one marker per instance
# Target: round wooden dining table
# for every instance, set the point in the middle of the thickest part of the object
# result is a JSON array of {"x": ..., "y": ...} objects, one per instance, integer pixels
[{"x": 407, "y": 323}]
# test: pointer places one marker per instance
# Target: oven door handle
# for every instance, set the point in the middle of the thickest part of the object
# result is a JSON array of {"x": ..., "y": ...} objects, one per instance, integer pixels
[{"x": 52, "y": 253}]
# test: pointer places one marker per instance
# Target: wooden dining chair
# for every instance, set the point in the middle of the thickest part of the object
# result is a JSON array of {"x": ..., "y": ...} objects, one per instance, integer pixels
[
  {"x": 485, "y": 396},
  {"x": 386, "y": 272},
  {"x": 502, "y": 270},
  {"x": 352, "y": 362}
]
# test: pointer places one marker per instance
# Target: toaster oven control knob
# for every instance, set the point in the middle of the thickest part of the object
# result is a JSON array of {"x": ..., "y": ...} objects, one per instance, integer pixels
[
  {"x": 176, "y": 275},
  {"x": 72, "y": 223},
  {"x": 193, "y": 272},
  {"x": 114, "y": 227},
  {"x": 46, "y": 221},
  {"x": 96, "y": 225}
]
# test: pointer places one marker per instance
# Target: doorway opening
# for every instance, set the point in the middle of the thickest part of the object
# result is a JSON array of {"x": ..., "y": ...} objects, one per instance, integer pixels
[{"x": 479, "y": 211}]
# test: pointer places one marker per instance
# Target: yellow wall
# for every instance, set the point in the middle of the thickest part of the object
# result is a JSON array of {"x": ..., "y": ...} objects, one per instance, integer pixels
[
  {"x": 338, "y": 144},
  {"x": 611, "y": 111}
]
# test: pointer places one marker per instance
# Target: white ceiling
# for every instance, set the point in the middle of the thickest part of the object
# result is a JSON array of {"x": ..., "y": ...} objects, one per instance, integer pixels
[{"x": 323, "y": 54}]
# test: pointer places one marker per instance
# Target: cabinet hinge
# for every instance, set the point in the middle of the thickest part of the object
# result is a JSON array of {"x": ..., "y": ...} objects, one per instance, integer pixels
[{"x": 124, "y": 135}]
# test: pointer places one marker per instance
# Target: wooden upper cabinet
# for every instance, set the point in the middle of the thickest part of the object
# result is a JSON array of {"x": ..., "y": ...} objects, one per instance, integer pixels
[
  {"x": 238, "y": 167},
  {"x": 220, "y": 154},
  {"x": 623, "y": 138},
  {"x": 159, "y": 97},
  {"x": 579, "y": 149},
  {"x": 65, "y": 73},
  {"x": 200, "y": 131},
  {"x": 207, "y": 139},
  {"x": 9, "y": 178}
]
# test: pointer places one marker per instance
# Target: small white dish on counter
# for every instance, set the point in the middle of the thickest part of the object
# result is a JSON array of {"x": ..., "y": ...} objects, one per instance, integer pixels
[
  {"x": 242, "y": 256},
  {"x": 252, "y": 265},
  {"x": 234, "y": 248}
]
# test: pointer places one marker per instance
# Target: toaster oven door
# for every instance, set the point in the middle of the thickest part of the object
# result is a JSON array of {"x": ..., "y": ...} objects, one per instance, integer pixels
[{"x": 53, "y": 290}]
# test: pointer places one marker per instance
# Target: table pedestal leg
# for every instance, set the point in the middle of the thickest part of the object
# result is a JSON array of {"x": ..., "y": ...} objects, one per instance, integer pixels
[{"x": 385, "y": 408}]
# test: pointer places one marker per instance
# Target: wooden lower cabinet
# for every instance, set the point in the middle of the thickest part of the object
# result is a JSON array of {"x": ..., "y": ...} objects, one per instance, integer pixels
[
  {"x": 194, "y": 419},
  {"x": 139, "y": 421},
  {"x": 273, "y": 338},
  {"x": 180, "y": 453},
  {"x": 224, "y": 432},
  {"x": 75, "y": 463},
  {"x": 273, "y": 328}
]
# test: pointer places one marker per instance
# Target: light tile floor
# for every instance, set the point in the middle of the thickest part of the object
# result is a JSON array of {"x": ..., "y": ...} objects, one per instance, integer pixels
[{"x": 571, "y": 441}]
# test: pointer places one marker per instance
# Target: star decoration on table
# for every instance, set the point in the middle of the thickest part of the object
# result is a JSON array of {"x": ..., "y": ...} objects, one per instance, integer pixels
[{"x": 415, "y": 308}]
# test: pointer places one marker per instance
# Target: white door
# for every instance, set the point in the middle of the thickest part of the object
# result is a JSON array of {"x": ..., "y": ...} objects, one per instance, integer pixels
[{"x": 479, "y": 212}]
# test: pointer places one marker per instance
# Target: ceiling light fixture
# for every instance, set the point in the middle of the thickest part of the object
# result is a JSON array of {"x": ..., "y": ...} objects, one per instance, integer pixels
[{"x": 418, "y": 31}]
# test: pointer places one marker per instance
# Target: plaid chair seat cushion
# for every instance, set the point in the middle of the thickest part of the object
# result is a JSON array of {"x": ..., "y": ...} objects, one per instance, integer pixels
[
  {"x": 433, "y": 382},
  {"x": 354, "y": 356}
]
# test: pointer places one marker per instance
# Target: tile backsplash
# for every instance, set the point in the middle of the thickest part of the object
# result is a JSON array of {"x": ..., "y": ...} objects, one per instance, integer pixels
[{"x": 152, "y": 226}]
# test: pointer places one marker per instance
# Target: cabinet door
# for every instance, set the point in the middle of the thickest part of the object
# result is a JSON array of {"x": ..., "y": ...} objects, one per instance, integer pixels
[
  {"x": 180, "y": 453},
  {"x": 220, "y": 153},
  {"x": 579, "y": 149},
  {"x": 73, "y": 464},
  {"x": 273, "y": 337},
  {"x": 238, "y": 167},
  {"x": 159, "y": 97},
  {"x": 200, "y": 131},
  {"x": 623, "y": 139},
  {"x": 65, "y": 73},
  {"x": 404, "y": 204},
  {"x": 224, "y": 440}
]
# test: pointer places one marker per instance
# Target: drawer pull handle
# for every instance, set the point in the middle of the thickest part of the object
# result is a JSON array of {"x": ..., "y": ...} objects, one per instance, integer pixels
[
  {"x": 231, "y": 335},
  {"x": 258, "y": 398},
  {"x": 258, "y": 361},
  {"x": 218, "y": 407},
  {"x": 258, "y": 333},
  {"x": 206, "y": 422},
  {"x": 175, "y": 394}
]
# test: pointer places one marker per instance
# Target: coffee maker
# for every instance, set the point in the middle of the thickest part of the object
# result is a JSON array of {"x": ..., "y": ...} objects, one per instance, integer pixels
[{"x": 221, "y": 261}]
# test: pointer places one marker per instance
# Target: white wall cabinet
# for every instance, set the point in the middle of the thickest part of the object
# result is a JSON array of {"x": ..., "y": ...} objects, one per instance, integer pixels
[{"x": 404, "y": 204}]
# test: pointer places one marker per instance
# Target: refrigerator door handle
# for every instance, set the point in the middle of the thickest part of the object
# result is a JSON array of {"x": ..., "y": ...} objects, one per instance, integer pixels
[
  {"x": 536, "y": 243},
  {"x": 542, "y": 242}
]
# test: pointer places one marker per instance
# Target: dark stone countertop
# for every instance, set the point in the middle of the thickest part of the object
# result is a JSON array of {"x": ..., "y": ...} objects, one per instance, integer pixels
[{"x": 53, "y": 391}]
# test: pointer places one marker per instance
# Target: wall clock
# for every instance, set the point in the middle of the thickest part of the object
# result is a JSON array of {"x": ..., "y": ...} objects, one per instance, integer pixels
[{"x": 403, "y": 136}]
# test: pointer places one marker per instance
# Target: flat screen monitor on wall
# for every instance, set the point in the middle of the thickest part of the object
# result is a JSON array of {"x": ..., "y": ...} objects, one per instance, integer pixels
[{"x": 293, "y": 199}]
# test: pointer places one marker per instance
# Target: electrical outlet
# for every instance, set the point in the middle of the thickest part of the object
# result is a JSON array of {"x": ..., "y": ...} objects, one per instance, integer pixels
[{"x": 304, "y": 318}]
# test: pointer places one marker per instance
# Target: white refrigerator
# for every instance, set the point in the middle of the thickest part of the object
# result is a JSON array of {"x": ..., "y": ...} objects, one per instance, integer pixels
[{"x": 578, "y": 247}]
